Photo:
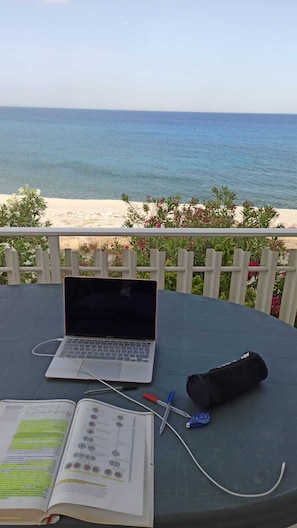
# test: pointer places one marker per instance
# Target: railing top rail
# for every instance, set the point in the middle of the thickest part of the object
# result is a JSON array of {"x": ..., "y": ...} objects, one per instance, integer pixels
[{"x": 147, "y": 232}]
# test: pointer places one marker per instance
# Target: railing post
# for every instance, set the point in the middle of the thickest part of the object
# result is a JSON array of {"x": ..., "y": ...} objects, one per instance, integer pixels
[
  {"x": 266, "y": 281},
  {"x": 74, "y": 263},
  {"x": 288, "y": 307},
  {"x": 239, "y": 278},
  {"x": 130, "y": 262},
  {"x": 185, "y": 278},
  {"x": 211, "y": 285},
  {"x": 12, "y": 262},
  {"x": 55, "y": 258},
  {"x": 42, "y": 260},
  {"x": 68, "y": 258},
  {"x": 157, "y": 260},
  {"x": 101, "y": 262}
]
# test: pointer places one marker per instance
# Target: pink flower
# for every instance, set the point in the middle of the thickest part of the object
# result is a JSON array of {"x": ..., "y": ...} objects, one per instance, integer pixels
[
  {"x": 247, "y": 203},
  {"x": 158, "y": 224},
  {"x": 275, "y": 306},
  {"x": 142, "y": 244},
  {"x": 252, "y": 274}
]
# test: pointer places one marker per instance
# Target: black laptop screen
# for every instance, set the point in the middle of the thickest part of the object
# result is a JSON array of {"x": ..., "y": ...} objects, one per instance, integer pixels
[{"x": 118, "y": 308}]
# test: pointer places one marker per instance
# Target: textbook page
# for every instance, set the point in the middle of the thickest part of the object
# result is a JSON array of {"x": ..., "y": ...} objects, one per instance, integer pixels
[
  {"x": 103, "y": 465},
  {"x": 32, "y": 439}
]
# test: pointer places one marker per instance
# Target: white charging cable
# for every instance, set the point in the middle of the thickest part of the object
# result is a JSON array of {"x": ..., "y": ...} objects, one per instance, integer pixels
[
  {"x": 180, "y": 438},
  {"x": 44, "y": 343}
]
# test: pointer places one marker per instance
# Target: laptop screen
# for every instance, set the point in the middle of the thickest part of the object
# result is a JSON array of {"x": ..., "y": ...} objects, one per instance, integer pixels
[{"x": 111, "y": 307}]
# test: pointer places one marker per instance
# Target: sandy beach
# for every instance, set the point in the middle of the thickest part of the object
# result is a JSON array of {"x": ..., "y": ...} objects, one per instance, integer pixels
[
  {"x": 81, "y": 213},
  {"x": 112, "y": 213},
  {"x": 85, "y": 213}
]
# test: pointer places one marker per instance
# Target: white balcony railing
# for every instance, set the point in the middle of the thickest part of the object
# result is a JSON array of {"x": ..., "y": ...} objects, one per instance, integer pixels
[{"x": 49, "y": 268}]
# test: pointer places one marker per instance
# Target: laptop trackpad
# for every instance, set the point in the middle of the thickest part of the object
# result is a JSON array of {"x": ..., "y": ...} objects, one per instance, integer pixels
[{"x": 103, "y": 371}]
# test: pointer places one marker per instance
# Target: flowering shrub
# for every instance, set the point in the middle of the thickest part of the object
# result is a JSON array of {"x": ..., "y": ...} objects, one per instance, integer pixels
[
  {"x": 277, "y": 291},
  {"x": 219, "y": 212},
  {"x": 24, "y": 209}
]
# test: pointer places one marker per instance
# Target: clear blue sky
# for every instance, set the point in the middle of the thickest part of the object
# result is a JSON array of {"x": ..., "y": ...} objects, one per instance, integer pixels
[{"x": 183, "y": 55}]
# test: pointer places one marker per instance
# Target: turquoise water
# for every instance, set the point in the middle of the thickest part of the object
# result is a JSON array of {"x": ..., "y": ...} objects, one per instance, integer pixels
[{"x": 101, "y": 154}]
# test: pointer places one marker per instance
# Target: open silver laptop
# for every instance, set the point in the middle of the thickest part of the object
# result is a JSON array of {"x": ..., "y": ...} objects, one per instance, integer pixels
[{"x": 110, "y": 330}]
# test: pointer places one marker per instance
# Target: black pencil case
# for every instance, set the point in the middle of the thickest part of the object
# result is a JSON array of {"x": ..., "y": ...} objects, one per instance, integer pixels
[{"x": 227, "y": 381}]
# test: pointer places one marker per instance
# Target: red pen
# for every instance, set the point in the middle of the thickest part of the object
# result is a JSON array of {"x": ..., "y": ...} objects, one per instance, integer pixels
[{"x": 155, "y": 399}]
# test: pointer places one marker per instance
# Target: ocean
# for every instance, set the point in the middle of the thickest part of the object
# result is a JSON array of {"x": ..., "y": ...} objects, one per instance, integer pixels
[{"x": 101, "y": 154}]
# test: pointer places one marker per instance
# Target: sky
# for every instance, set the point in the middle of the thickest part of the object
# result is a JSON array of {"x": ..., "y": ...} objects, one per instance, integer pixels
[{"x": 164, "y": 55}]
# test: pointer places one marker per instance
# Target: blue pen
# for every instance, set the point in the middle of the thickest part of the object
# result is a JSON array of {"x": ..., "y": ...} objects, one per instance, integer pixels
[{"x": 167, "y": 411}]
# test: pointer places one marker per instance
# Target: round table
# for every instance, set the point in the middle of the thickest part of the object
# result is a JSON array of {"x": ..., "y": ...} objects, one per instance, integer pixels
[{"x": 248, "y": 437}]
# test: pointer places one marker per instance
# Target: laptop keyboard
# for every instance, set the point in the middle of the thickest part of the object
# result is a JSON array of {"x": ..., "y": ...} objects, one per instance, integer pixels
[{"x": 106, "y": 349}]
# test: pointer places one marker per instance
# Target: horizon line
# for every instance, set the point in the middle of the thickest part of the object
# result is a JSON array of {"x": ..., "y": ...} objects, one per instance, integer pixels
[{"x": 91, "y": 109}]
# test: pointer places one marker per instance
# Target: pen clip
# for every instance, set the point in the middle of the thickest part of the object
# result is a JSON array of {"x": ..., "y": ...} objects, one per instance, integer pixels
[
  {"x": 170, "y": 396},
  {"x": 167, "y": 411}
]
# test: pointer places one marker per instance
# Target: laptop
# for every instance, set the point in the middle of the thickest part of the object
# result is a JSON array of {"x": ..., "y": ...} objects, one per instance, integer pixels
[{"x": 110, "y": 330}]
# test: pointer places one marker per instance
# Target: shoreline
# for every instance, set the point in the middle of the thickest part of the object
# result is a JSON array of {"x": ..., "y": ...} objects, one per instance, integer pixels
[{"x": 66, "y": 212}]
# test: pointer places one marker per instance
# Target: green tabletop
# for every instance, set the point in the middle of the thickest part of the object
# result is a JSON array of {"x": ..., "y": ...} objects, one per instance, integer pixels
[{"x": 247, "y": 439}]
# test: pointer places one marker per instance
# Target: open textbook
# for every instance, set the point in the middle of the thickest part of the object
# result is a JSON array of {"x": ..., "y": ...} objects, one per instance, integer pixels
[{"x": 90, "y": 461}]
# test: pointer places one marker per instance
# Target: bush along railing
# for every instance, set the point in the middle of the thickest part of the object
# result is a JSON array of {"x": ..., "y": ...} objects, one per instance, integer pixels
[{"x": 269, "y": 285}]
